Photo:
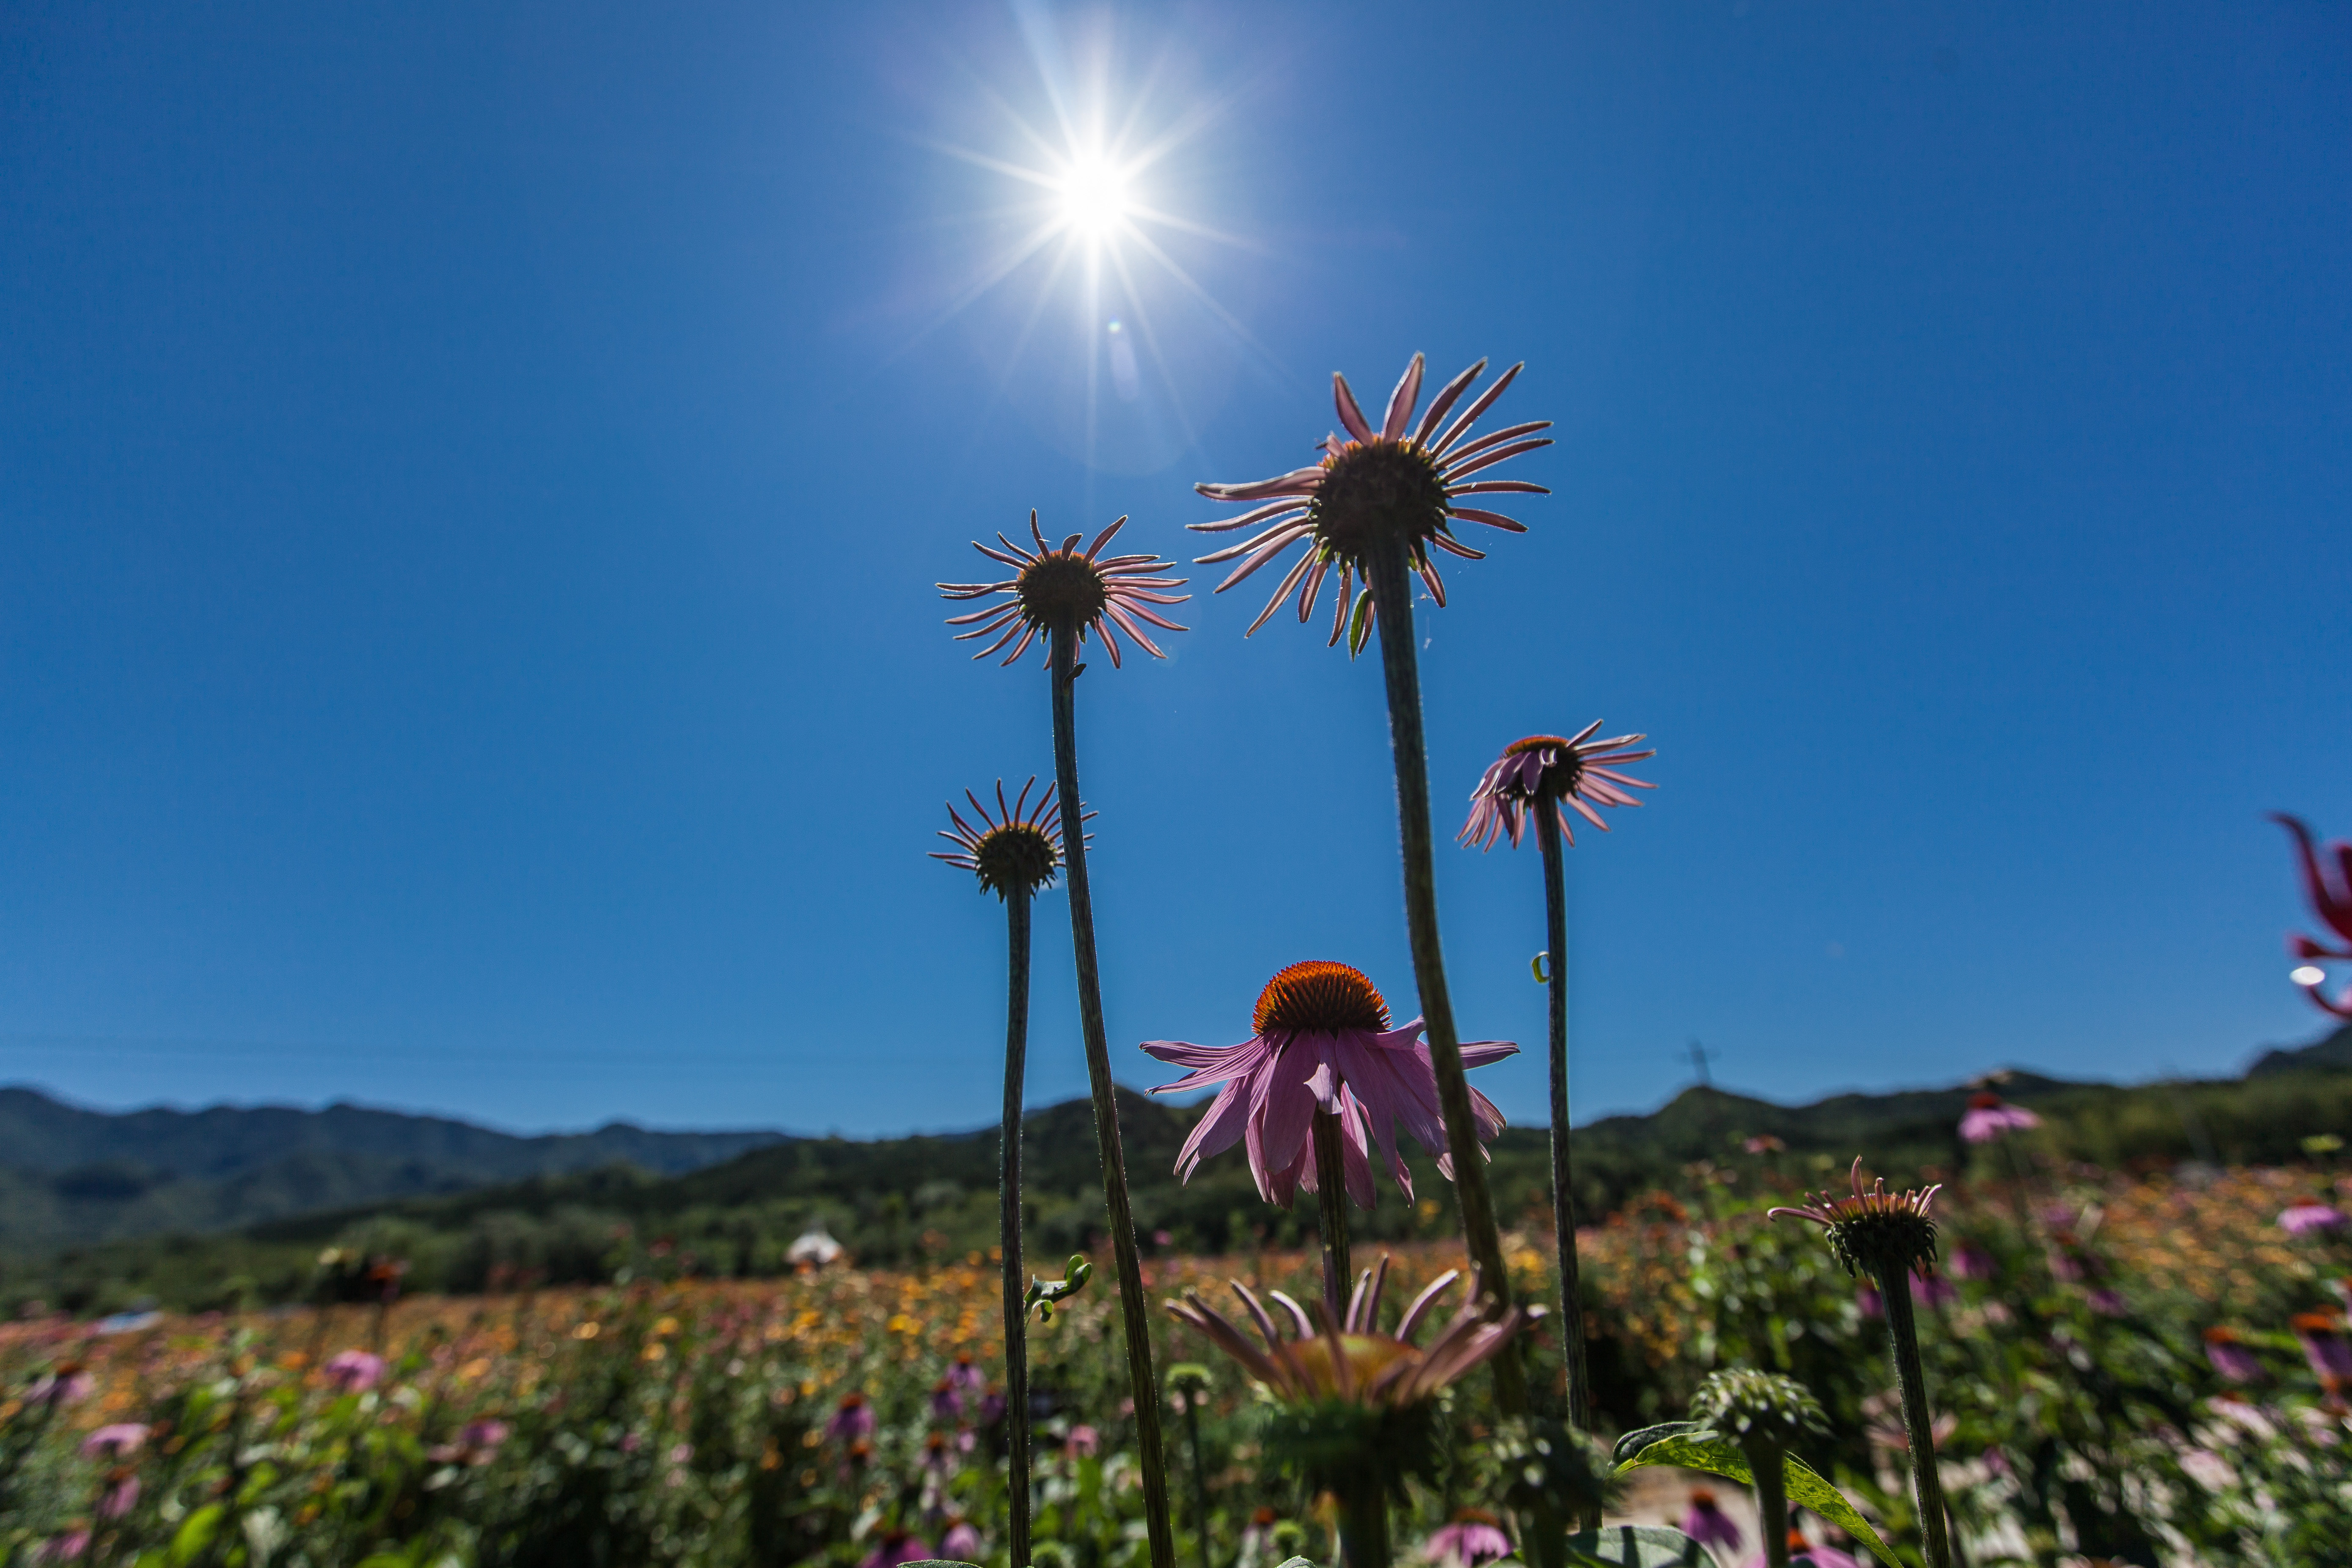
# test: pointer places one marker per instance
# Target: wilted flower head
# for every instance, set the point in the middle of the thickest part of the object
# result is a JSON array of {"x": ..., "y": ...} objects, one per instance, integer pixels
[
  {"x": 1067, "y": 590},
  {"x": 1555, "y": 773},
  {"x": 1352, "y": 1402},
  {"x": 2307, "y": 1216},
  {"x": 353, "y": 1372},
  {"x": 1402, "y": 483},
  {"x": 1017, "y": 849},
  {"x": 1757, "y": 1409},
  {"x": 1473, "y": 1539},
  {"x": 2230, "y": 1358},
  {"x": 2329, "y": 888},
  {"x": 1875, "y": 1230},
  {"x": 1706, "y": 1523},
  {"x": 853, "y": 1418},
  {"x": 1322, "y": 1042},
  {"x": 1990, "y": 1117}
]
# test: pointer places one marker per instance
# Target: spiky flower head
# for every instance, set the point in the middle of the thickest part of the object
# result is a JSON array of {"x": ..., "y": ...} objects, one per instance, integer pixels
[
  {"x": 1758, "y": 1409},
  {"x": 1402, "y": 483},
  {"x": 1068, "y": 592},
  {"x": 1876, "y": 1231},
  {"x": 1017, "y": 849},
  {"x": 1556, "y": 774},
  {"x": 1350, "y": 1400}
]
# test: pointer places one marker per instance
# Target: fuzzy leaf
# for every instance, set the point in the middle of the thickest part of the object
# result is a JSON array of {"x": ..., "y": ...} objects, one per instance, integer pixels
[
  {"x": 1637, "y": 1546},
  {"x": 1695, "y": 1448},
  {"x": 1808, "y": 1489},
  {"x": 1632, "y": 1443}
]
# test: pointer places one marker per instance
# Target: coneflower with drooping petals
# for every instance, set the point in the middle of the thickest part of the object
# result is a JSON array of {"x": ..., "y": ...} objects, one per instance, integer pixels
[
  {"x": 1402, "y": 483},
  {"x": 2226, "y": 1349},
  {"x": 1990, "y": 1117},
  {"x": 1559, "y": 772},
  {"x": 1706, "y": 1523},
  {"x": 1473, "y": 1539},
  {"x": 2329, "y": 888},
  {"x": 1054, "y": 585},
  {"x": 2309, "y": 1216}
]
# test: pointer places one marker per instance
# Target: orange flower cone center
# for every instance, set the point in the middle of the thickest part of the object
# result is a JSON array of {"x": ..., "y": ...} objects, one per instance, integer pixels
[{"x": 1320, "y": 998}]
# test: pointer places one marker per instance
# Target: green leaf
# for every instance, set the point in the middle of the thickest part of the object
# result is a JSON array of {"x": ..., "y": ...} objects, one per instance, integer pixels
[
  {"x": 1360, "y": 627},
  {"x": 195, "y": 1533},
  {"x": 1637, "y": 1546},
  {"x": 1632, "y": 1443},
  {"x": 1696, "y": 1449},
  {"x": 1808, "y": 1488}
]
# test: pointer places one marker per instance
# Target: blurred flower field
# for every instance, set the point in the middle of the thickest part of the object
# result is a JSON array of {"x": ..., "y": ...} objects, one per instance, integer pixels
[{"x": 2145, "y": 1370}]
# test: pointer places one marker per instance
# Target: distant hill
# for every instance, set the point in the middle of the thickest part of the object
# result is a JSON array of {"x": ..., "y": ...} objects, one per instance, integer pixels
[{"x": 72, "y": 1175}]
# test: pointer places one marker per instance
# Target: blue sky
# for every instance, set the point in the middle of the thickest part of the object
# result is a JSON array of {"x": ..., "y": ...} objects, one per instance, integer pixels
[{"x": 471, "y": 481}]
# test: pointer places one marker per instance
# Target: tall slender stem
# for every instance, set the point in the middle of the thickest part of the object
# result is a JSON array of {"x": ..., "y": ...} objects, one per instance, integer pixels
[
  {"x": 1771, "y": 1478},
  {"x": 1009, "y": 1218},
  {"x": 1364, "y": 1525},
  {"x": 1200, "y": 1474},
  {"x": 1918, "y": 1425},
  {"x": 1151, "y": 1450},
  {"x": 1564, "y": 1169},
  {"x": 1331, "y": 1203},
  {"x": 1392, "y": 605}
]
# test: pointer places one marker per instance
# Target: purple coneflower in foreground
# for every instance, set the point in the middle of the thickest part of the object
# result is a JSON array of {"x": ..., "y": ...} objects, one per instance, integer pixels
[
  {"x": 1706, "y": 1523},
  {"x": 1564, "y": 773},
  {"x": 2329, "y": 890},
  {"x": 1539, "y": 779},
  {"x": 1990, "y": 1117},
  {"x": 1374, "y": 507},
  {"x": 1321, "y": 1079},
  {"x": 1049, "y": 586},
  {"x": 1473, "y": 1539},
  {"x": 2307, "y": 1216}
]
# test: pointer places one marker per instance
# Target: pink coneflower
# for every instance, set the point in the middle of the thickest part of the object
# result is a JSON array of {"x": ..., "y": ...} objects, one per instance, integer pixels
[
  {"x": 853, "y": 1418},
  {"x": 1473, "y": 1539},
  {"x": 961, "y": 1543},
  {"x": 2321, "y": 1334},
  {"x": 114, "y": 1441},
  {"x": 1081, "y": 1443},
  {"x": 947, "y": 1404},
  {"x": 1403, "y": 482},
  {"x": 965, "y": 1375},
  {"x": 353, "y": 1372},
  {"x": 121, "y": 1493},
  {"x": 896, "y": 1546},
  {"x": 64, "y": 1384},
  {"x": 939, "y": 1457},
  {"x": 1561, "y": 772},
  {"x": 1990, "y": 1117},
  {"x": 1874, "y": 1230},
  {"x": 2307, "y": 1216},
  {"x": 1763, "y": 1143},
  {"x": 1803, "y": 1553},
  {"x": 1706, "y": 1523},
  {"x": 1969, "y": 1261},
  {"x": 1322, "y": 1041},
  {"x": 1056, "y": 587},
  {"x": 1015, "y": 849},
  {"x": 2331, "y": 899},
  {"x": 66, "y": 1548},
  {"x": 2229, "y": 1356}
]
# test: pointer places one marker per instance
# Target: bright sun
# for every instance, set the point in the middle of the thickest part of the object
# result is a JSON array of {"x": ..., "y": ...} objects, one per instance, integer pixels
[{"x": 1093, "y": 197}]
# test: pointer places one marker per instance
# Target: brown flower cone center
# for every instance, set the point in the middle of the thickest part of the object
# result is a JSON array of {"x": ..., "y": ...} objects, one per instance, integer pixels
[
  {"x": 1015, "y": 859},
  {"x": 1561, "y": 776},
  {"x": 1374, "y": 490},
  {"x": 1320, "y": 998},
  {"x": 1062, "y": 588}
]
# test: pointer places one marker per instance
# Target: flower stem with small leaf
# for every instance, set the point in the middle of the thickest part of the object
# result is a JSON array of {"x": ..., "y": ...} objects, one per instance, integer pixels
[
  {"x": 1918, "y": 1424},
  {"x": 1152, "y": 1449},
  {"x": 1009, "y": 1218},
  {"x": 1385, "y": 567}
]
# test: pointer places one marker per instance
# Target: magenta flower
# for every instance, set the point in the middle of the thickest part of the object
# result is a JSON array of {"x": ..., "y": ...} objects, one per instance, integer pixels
[
  {"x": 938, "y": 1456},
  {"x": 1969, "y": 1261},
  {"x": 1473, "y": 1539},
  {"x": 2108, "y": 1302},
  {"x": 894, "y": 1547},
  {"x": 1322, "y": 1043},
  {"x": 961, "y": 1543},
  {"x": 1082, "y": 1443},
  {"x": 947, "y": 1404},
  {"x": 2308, "y": 1216},
  {"x": 1049, "y": 586},
  {"x": 1561, "y": 772},
  {"x": 965, "y": 1375},
  {"x": 1402, "y": 479},
  {"x": 2229, "y": 1356},
  {"x": 2329, "y": 890},
  {"x": 115, "y": 1441},
  {"x": 1990, "y": 1117},
  {"x": 852, "y": 1419},
  {"x": 121, "y": 1496},
  {"x": 2321, "y": 1334},
  {"x": 65, "y": 1383},
  {"x": 1934, "y": 1289},
  {"x": 354, "y": 1372},
  {"x": 1706, "y": 1523},
  {"x": 66, "y": 1548}
]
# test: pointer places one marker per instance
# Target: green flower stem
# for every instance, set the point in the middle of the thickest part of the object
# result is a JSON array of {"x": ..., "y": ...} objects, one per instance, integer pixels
[
  {"x": 1191, "y": 1397},
  {"x": 1918, "y": 1425},
  {"x": 1331, "y": 1203},
  {"x": 1771, "y": 1502},
  {"x": 1393, "y": 605},
  {"x": 1364, "y": 1525},
  {"x": 1151, "y": 1449},
  {"x": 1008, "y": 1223},
  {"x": 1563, "y": 1170}
]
